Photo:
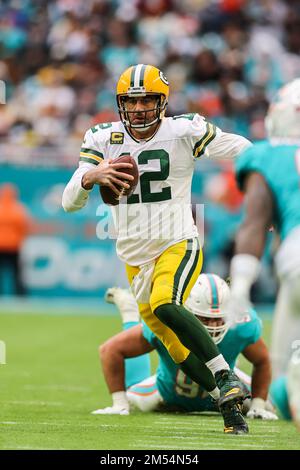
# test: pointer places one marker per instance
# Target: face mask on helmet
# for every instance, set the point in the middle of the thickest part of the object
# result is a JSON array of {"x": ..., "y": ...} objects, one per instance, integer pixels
[
  {"x": 140, "y": 83},
  {"x": 141, "y": 118},
  {"x": 283, "y": 117},
  {"x": 208, "y": 300}
]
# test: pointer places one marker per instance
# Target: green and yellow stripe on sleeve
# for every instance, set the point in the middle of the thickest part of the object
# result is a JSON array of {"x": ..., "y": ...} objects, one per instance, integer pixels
[
  {"x": 90, "y": 156},
  {"x": 200, "y": 146}
]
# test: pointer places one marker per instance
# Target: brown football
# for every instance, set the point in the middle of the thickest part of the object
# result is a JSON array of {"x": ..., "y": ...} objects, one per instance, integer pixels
[{"x": 107, "y": 194}]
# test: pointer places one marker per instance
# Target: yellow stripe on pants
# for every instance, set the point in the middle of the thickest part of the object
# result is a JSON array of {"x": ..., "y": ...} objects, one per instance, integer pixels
[{"x": 176, "y": 271}]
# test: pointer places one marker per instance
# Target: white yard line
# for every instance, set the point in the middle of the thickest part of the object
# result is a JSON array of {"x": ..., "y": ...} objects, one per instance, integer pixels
[
  {"x": 200, "y": 437},
  {"x": 63, "y": 388},
  {"x": 225, "y": 446},
  {"x": 35, "y": 423},
  {"x": 18, "y": 447},
  {"x": 212, "y": 428},
  {"x": 10, "y": 423},
  {"x": 33, "y": 403},
  {"x": 182, "y": 435},
  {"x": 263, "y": 426}
]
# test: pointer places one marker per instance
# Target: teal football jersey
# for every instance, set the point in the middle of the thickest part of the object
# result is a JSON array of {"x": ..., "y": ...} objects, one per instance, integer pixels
[
  {"x": 179, "y": 390},
  {"x": 280, "y": 166},
  {"x": 279, "y": 396}
]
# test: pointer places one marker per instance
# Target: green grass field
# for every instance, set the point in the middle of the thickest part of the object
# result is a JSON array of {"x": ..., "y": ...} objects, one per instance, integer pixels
[{"x": 52, "y": 380}]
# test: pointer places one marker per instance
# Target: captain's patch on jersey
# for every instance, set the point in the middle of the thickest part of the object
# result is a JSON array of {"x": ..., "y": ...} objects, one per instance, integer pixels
[{"x": 117, "y": 138}]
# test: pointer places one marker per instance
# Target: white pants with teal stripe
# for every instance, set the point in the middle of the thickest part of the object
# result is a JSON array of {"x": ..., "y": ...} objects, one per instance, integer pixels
[{"x": 145, "y": 396}]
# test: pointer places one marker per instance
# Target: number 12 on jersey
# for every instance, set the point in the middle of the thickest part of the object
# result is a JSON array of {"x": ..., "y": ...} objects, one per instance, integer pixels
[{"x": 149, "y": 176}]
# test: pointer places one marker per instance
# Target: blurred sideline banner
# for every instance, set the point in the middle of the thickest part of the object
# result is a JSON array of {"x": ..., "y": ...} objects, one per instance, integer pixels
[{"x": 63, "y": 256}]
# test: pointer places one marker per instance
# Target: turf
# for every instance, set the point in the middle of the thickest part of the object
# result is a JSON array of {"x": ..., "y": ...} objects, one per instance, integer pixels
[{"x": 52, "y": 380}]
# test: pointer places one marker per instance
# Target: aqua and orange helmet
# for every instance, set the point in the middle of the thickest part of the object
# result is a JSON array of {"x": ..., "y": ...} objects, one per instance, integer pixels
[{"x": 208, "y": 300}]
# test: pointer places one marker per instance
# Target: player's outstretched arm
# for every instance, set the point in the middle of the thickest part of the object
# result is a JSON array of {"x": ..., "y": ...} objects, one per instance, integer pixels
[
  {"x": 227, "y": 146},
  {"x": 258, "y": 354},
  {"x": 252, "y": 234},
  {"x": 210, "y": 141},
  {"x": 249, "y": 243},
  {"x": 128, "y": 343}
]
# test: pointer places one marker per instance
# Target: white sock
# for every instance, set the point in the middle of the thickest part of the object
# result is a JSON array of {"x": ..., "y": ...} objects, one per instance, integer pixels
[
  {"x": 127, "y": 306},
  {"x": 215, "y": 394},
  {"x": 130, "y": 313},
  {"x": 120, "y": 400},
  {"x": 217, "y": 363}
]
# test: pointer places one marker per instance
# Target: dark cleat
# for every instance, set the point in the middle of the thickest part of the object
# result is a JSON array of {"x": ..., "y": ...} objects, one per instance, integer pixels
[
  {"x": 231, "y": 388},
  {"x": 234, "y": 422}
]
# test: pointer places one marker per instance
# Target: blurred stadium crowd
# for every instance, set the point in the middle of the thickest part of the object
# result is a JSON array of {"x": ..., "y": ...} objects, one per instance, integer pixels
[{"x": 60, "y": 60}]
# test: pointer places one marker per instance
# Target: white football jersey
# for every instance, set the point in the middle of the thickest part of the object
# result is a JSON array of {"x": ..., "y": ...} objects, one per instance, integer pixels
[{"x": 158, "y": 214}]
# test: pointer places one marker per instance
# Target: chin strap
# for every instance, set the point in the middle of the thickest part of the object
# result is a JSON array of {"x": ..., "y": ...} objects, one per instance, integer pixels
[
  {"x": 141, "y": 137},
  {"x": 141, "y": 128}
]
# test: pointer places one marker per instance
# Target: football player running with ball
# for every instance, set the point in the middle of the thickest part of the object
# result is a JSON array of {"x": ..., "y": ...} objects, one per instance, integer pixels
[{"x": 161, "y": 267}]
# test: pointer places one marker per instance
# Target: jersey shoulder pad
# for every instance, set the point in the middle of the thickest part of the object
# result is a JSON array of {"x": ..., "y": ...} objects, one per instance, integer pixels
[
  {"x": 187, "y": 125},
  {"x": 253, "y": 159},
  {"x": 249, "y": 329},
  {"x": 95, "y": 141},
  {"x": 101, "y": 132}
]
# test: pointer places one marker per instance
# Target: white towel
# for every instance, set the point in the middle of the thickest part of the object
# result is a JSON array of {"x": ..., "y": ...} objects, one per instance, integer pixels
[{"x": 141, "y": 283}]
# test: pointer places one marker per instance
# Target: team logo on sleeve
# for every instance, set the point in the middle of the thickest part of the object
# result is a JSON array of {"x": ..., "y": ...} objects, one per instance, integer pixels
[{"x": 117, "y": 138}]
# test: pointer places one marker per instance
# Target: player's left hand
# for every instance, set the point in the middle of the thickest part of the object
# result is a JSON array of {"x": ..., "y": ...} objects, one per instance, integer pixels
[
  {"x": 262, "y": 414},
  {"x": 111, "y": 410},
  {"x": 258, "y": 411},
  {"x": 238, "y": 307}
]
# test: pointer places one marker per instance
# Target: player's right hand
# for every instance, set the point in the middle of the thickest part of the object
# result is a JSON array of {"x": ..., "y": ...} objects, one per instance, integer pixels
[
  {"x": 108, "y": 174},
  {"x": 238, "y": 307},
  {"x": 260, "y": 413},
  {"x": 258, "y": 410},
  {"x": 111, "y": 410}
]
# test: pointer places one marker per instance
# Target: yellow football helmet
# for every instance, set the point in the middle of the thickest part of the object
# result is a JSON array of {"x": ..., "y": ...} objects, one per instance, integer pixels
[{"x": 139, "y": 81}]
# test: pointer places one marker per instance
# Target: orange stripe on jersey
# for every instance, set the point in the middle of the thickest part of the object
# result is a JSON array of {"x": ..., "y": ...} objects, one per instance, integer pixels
[{"x": 142, "y": 394}]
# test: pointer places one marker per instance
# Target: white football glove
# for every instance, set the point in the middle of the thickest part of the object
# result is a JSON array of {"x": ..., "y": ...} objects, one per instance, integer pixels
[
  {"x": 237, "y": 309},
  {"x": 258, "y": 410},
  {"x": 111, "y": 410},
  {"x": 125, "y": 302}
]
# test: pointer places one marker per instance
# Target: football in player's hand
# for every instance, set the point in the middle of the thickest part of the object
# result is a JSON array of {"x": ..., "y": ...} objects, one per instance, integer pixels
[{"x": 107, "y": 194}]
